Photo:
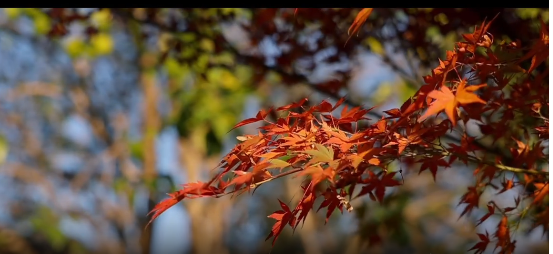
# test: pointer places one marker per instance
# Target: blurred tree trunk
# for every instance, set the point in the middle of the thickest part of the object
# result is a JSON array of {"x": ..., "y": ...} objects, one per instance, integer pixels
[
  {"x": 207, "y": 216},
  {"x": 151, "y": 129},
  {"x": 308, "y": 232}
]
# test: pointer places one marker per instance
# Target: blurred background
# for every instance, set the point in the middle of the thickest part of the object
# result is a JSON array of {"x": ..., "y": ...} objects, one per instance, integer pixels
[{"x": 103, "y": 111}]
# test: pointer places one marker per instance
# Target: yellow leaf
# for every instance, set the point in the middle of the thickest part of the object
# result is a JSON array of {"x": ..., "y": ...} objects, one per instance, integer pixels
[
  {"x": 4, "y": 148},
  {"x": 42, "y": 23},
  {"x": 223, "y": 77},
  {"x": 376, "y": 46},
  {"x": 12, "y": 12},
  {"x": 101, "y": 19},
  {"x": 74, "y": 47},
  {"x": 383, "y": 92},
  {"x": 280, "y": 164},
  {"x": 102, "y": 43},
  {"x": 207, "y": 45},
  {"x": 173, "y": 67},
  {"x": 322, "y": 154}
]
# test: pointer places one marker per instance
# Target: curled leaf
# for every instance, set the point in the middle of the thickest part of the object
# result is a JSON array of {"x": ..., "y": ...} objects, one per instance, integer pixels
[{"x": 359, "y": 21}]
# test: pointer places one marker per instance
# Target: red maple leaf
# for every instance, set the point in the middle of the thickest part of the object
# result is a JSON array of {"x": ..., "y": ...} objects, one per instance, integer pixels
[
  {"x": 190, "y": 190},
  {"x": 507, "y": 185},
  {"x": 162, "y": 206},
  {"x": 259, "y": 117},
  {"x": 283, "y": 217},
  {"x": 480, "y": 247},
  {"x": 332, "y": 202},
  {"x": 293, "y": 105},
  {"x": 306, "y": 204},
  {"x": 378, "y": 185},
  {"x": 432, "y": 165},
  {"x": 258, "y": 174},
  {"x": 540, "y": 51},
  {"x": 491, "y": 211},
  {"x": 471, "y": 199}
]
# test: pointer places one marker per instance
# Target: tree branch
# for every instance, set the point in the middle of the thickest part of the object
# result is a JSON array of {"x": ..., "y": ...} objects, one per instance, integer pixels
[
  {"x": 498, "y": 166},
  {"x": 255, "y": 185}
]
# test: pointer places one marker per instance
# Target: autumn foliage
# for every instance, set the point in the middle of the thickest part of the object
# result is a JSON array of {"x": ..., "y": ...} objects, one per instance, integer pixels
[{"x": 343, "y": 154}]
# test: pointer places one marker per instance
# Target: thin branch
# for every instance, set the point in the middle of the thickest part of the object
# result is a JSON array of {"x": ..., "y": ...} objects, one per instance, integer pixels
[
  {"x": 498, "y": 166},
  {"x": 255, "y": 185},
  {"x": 295, "y": 170}
]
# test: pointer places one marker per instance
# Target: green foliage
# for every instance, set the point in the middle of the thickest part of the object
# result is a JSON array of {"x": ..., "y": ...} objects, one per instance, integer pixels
[{"x": 45, "y": 221}]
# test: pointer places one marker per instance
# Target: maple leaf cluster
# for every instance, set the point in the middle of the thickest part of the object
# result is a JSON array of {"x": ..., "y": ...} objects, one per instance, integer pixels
[{"x": 480, "y": 81}]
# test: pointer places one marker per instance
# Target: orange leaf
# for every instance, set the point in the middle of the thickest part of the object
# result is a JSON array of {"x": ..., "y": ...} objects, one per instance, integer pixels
[
  {"x": 465, "y": 94},
  {"x": 502, "y": 233},
  {"x": 358, "y": 22},
  {"x": 447, "y": 101},
  {"x": 543, "y": 189},
  {"x": 444, "y": 100},
  {"x": 318, "y": 174}
]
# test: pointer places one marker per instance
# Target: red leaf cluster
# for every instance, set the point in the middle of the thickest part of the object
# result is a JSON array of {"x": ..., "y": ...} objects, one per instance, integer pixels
[{"x": 323, "y": 143}]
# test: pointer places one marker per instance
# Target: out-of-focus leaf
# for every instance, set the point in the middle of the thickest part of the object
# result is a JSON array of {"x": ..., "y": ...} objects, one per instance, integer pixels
[
  {"x": 376, "y": 46},
  {"x": 174, "y": 68},
  {"x": 406, "y": 90},
  {"x": 207, "y": 45},
  {"x": 383, "y": 92},
  {"x": 41, "y": 20},
  {"x": 224, "y": 58},
  {"x": 12, "y": 12},
  {"x": 102, "y": 19},
  {"x": 359, "y": 21},
  {"x": 46, "y": 222},
  {"x": 222, "y": 125},
  {"x": 201, "y": 63},
  {"x": 137, "y": 150},
  {"x": 4, "y": 148},
  {"x": 75, "y": 47},
  {"x": 223, "y": 77},
  {"x": 102, "y": 43}
]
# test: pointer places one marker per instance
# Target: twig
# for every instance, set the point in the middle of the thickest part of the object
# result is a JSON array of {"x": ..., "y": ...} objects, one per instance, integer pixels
[
  {"x": 255, "y": 185},
  {"x": 498, "y": 166},
  {"x": 295, "y": 170}
]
